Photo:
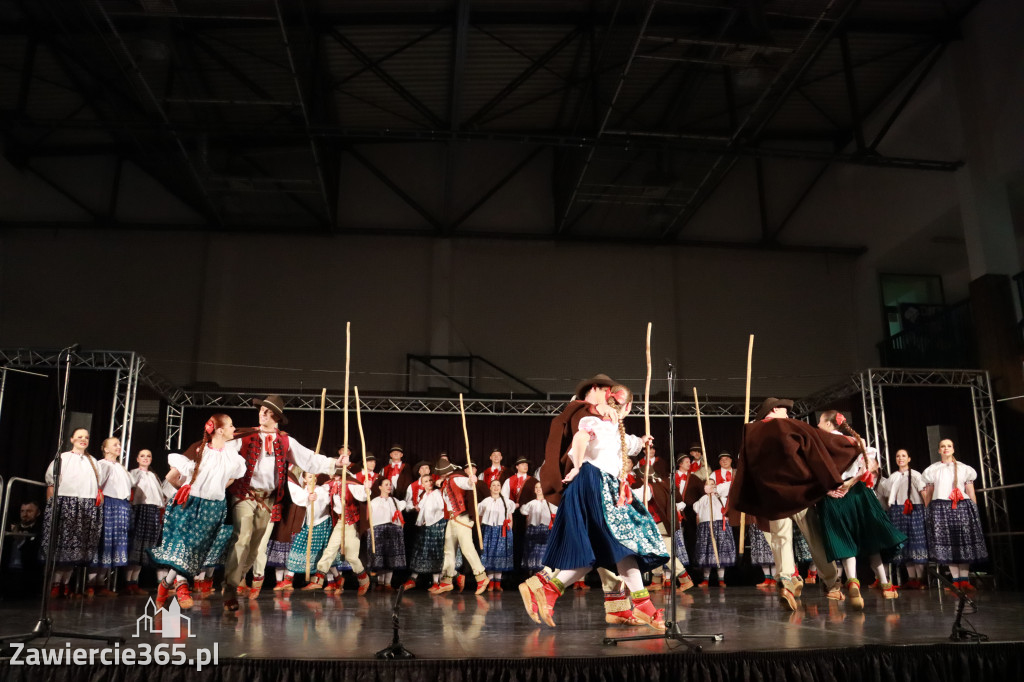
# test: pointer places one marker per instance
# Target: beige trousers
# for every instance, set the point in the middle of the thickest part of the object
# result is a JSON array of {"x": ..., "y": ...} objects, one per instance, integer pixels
[
  {"x": 259, "y": 567},
  {"x": 782, "y": 546},
  {"x": 460, "y": 534},
  {"x": 251, "y": 522},
  {"x": 334, "y": 546}
]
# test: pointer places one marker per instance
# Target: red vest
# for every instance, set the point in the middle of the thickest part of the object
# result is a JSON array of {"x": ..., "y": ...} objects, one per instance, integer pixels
[
  {"x": 515, "y": 487},
  {"x": 392, "y": 471},
  {"x": 454, "y": 497},
  {"x": 252, "y": 451},
  {"x": 417, "y": 492},
  {"x": 491, "y": 475}
]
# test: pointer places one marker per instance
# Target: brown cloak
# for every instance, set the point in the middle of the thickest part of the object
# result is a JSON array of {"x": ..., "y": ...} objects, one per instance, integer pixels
[{"x": 786, "y": 466}]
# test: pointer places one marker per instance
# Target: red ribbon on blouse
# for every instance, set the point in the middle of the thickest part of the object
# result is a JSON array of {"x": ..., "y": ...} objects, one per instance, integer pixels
[
  {"x": 505, "y": 527},
  {"x": 956, "y": 496},
  {"x": 182, "y": 496},
  {"x": 908, "y": 507}
]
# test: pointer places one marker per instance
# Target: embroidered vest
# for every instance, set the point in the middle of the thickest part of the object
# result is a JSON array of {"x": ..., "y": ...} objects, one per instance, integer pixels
[
  {"x": 491, "y": 475},
  {"x": 515, "y": 487},
  {"x": 454, "y": 498},
  {"x": 252, "y": 451}
]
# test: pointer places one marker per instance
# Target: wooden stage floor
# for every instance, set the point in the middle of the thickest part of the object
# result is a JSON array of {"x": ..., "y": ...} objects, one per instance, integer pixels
[{"x": 495, "y": 626}]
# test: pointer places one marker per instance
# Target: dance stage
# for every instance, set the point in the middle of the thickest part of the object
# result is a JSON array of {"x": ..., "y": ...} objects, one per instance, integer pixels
[{"x": 460, "y": 637}]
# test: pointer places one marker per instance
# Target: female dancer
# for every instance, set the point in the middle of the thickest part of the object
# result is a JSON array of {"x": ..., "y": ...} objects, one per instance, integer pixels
[
  {"x": 147, "y": 504},
  {"x": 853, "y": 521},
  {"x": 954, "y": 529},
  {"x": 195, "y": 516},
  {"x": 600, "y": 522},
  {"x": 79, "y": 508},
  {"x": 906, "y": 511},
  {"x": 540, "y": 517},
  {"x": 496, "y": 523},
  {"x": 386, "y": 511},
  {"x": 428, "y": 552},
  {"x": 117, "y": 513}
]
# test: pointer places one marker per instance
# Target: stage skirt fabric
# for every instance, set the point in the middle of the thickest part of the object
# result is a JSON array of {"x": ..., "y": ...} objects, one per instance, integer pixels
[
  {"x": 428, "y": 553},
  {"x": 954, "y": 535},
  {"x": 145, "y": 533},
  {"x": 536, "y": 545},
  {"x": 681, "y": 553},
  {"x": 390, "y": 552},
  {"x": 277, "y": 552},
  {"x": 723, "y": 538},
  {"x": 218, "y": 552},
  {"x": 801, "y": 550},
  {"x": 591, "y": 530},
  {"x": 760, "y": 551},
  {"x": 296, "y": 559},
  {"x": 190, "y": 532},
  {"x": 112, "y": 549},
  {"x": 915, "y": 551},
  {"x": 81, "y": 523},
  {"x": 497, "y": 554},
  {"x": 856, "y": 525}
]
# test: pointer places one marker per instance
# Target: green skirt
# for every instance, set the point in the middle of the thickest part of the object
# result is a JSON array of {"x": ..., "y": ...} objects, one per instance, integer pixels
[{"x": 856, "y": 525}]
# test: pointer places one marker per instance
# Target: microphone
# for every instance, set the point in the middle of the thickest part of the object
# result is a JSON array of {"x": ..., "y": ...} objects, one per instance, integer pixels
[{"x": 73, "y": 347}]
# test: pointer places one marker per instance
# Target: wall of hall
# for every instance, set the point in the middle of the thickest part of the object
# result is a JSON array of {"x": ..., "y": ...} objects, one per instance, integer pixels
[{"x": 270, "y": 311}]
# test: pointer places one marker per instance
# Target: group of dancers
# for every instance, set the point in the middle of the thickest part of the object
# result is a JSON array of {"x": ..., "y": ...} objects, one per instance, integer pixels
[{"x": 256, "y": 499}]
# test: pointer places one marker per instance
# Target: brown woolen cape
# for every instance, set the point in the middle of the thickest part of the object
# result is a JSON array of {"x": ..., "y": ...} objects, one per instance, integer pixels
[
  {"x": 560, "y": 433},
  {"x": 786, "y": 466}
]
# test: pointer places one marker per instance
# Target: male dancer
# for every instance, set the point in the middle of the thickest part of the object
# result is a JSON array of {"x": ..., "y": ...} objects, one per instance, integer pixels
[
  {"x": 462, "y": 515},
  {"x": 256, "y": 497},
  {"x": 591, "y": 398},
  {"x": 785, "y": 467}
]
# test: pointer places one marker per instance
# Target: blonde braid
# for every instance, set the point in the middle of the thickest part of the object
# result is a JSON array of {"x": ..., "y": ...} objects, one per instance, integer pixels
[{"x": 627, "y": 464}]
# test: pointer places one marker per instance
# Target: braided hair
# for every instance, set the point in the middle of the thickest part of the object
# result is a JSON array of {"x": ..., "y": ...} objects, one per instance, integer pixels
[{"x": 620, "y": 398}]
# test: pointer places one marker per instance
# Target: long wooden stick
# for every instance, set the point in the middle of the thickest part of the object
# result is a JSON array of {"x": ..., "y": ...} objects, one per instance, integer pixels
[
  {"x": 311, "y": 485},
  {"x": 647, "y": 420},
  {"x": 344, "y": 440},
  {"x": 469, "y": 462},
  {"x": 707, "y": 472},
  {"x": 746, "y": 416},
  {"x": 366, "y": 474}
]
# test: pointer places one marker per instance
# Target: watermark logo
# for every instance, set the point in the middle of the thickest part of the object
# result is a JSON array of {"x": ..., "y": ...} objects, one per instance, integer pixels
[{"x": 166, "y": 622}]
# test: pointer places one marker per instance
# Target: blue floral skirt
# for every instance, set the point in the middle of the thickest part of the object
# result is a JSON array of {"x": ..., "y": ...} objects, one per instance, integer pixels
[
  {"x": 954, "y": 535},
  {"x": 112, "y": 549},
  {"x": 724, "y": 542},
  {"x": 497, "y": 554},
  {"x": 535, "y": 546},
  {"x": 801, "y": 550},
  {"x": 428, "y": 552},
  {"x": 390, "y": 543},
  {"x": 277, "y": 553},
  {"x": 296, "y": 559},
  {"x": 145, "y": 534},
  {"x": 190, "y": 532},
  {"x": 681, "y": 554},
  {"x": 218, "y": 552},
  {"x": 760, "y": 551},
  {"x": 591, "y": 530},
  {"x": 911, "y": 525},
  {"x": 78, "y": 532}
]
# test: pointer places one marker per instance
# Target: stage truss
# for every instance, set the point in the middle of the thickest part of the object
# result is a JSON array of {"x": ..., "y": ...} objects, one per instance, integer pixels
[{"x": 125, "y": 364}]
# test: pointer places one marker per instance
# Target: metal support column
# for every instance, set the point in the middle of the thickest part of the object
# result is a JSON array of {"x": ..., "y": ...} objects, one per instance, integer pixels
[
  {"x": 175, "y": 417},
  {"x": 996, "y": 509}
]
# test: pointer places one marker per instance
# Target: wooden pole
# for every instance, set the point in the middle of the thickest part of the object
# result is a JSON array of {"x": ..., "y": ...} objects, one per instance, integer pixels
[
  {"x": 469, "y": 462},
  {"x": 344, "y": 440},
  {"x": 746, "y": 416},
  {"x": 647, "y": 420},
  {"x": 362, "y": 445},
  {"x": 707, "y": 472},
  {"x": 311, "y": 485}
]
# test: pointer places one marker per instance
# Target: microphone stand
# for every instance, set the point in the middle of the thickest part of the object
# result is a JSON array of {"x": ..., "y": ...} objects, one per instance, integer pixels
[
  {"x": 959, "y": 633},
  {"x": 395, "y": 650},
  {"x": 672, "y": 631},
  {"x": 44, "y": 626}
]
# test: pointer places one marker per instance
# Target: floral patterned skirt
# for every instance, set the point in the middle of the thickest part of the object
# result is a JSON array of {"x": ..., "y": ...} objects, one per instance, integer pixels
[
  {"x": 190, "y": 532},
  {"x": 78, "y": 531},
  {"x": 591, "y": 530}
]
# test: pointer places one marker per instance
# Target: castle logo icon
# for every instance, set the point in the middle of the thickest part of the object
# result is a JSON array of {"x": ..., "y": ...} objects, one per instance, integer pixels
[{"x": 166, "y": 622}]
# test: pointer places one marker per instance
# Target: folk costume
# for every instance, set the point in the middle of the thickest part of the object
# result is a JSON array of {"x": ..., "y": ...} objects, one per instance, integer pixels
[
  {"x": 350, "y": 502},
  {"x": 147, "y": 522},
  {"x": 657, "y": 493},
  {"x": 785, "y": 467},
  {"x": 387, "y": 530},
  {"x": 496, "y": 515},
  {"x": 540, "y": 515},
  {"x": 321, "y": 528},
  {"x": 954, "y": 530},
  {"x": 461, "y": 516},
  {"x": 428, "y": 552},
  {"x": 712, "y": 518},
  {"x": 78, "y": 503},
  {"x": 117, "y": 487},
  {"x": 901, "y": 494},
  {"x": 495, "y": 472},
  {"x": 257, "y": 495}
]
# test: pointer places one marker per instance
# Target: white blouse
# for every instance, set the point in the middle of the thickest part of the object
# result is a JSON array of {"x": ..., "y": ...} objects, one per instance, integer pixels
[
  {"x": 117, "y": 483},
  {"x": 431, "y": 508},
  {"x": 147, "y": 488},
  {"x": 357, "y": 490},
  {"x": 493, "y": 512},
  {"x": 217, "y": 468},
  {"x": 538, "y": 512},
  {"x": 263, "y": 475},
  {"x": 79, "y": 476},
  {"x": 940, "y": 476},
  {"x": 605, "y": 448},
  {"x": 300, "y": 496},
  {"x": 709, "y": 507},
  {"x": 896, "y": 487},
  {"x": 383, "y": 510}
]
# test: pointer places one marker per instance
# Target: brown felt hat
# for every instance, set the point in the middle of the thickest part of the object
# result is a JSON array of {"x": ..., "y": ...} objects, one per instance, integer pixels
[
  {"x": 770, "y": 404},
  {"x": 275, "y": 404},
  {"x": 596, "y": 380}
]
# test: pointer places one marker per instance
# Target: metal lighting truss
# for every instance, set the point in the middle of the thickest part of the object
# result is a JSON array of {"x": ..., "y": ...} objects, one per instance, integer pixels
[
  {"x": 997, "y": 512},
  {"x": 126, "y": 365}
]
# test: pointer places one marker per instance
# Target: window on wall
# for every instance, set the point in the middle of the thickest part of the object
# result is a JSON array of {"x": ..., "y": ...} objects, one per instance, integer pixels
[{"x": 908, "y": 300}]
